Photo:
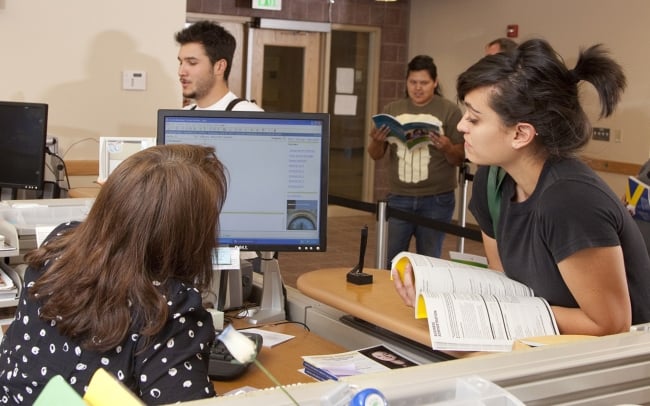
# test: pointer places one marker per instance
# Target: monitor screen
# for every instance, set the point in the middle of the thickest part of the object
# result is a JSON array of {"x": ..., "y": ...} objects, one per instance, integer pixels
[
  {"x": 278, "y": 169},
  {"x": 113, "y": 150},
  {"x": 23, "y": 133}
]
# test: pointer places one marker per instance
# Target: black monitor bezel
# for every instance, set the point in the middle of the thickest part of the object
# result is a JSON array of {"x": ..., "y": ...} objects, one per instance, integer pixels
[
  {"x": 163, "y": 114},
  {"x": 37, "y": 177}
]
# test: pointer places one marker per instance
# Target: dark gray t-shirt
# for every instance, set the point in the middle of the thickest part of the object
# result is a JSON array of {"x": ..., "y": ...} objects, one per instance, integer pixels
[{"x": 571, "y": 209}]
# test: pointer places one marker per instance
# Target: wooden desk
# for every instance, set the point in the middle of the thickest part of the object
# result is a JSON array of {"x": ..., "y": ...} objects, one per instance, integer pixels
[
  {"x": 377, "y": 303},
  {"x": 284, "y": 360},
  {"x": 83, "y": 192}
]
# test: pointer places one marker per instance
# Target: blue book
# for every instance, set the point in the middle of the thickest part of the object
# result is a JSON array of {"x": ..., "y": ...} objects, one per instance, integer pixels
[{"x": 412, "y": 130}]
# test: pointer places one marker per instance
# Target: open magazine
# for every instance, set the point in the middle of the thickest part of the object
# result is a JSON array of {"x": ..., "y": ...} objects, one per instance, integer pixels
[
  {"x": 412, "y": 130},
  {"x": 471, "y": 308},
  {"x": 366, "y": 360}
]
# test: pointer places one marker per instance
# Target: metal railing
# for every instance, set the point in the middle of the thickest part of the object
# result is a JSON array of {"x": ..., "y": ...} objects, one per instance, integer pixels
[{"x": 383, "y": 213}]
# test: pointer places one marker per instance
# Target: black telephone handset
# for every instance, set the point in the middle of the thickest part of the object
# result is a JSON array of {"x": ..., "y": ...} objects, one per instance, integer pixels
[{"x": 356, "y": 275}]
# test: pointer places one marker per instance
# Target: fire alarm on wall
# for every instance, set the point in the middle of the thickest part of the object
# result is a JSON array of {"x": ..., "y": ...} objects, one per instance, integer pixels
[{"x": 512, "y": 31}]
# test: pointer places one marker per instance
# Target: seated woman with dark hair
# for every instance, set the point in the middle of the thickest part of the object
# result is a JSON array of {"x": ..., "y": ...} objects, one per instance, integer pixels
[{"x": 121, "y": 290}]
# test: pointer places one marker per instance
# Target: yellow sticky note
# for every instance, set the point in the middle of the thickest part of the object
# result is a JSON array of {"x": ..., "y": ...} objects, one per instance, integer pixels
[{"x": 105, "y": 390}]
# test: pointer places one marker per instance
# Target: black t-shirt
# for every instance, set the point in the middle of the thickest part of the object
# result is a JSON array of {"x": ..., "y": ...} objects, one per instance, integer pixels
[{"x": 571, "y": 209}]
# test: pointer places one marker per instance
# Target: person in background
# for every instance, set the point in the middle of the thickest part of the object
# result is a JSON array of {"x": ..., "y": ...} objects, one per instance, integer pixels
[
  {"x": 500, "y": 45},
  {"x": 423, "y": 180},
  {"x": 559, "y": 228},
  {"x": 121, "y": 290},
  {"x": 205, "y": 61}
]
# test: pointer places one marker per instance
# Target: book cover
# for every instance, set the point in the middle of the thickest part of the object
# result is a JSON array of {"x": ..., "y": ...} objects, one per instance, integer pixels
[
  {"x": 411, "y": 130},
  {"x": 637, "y": 198},
  {"x": 319, "y": 374},
  {"x": 469, "y": 259},
  {"x": 470, "y": 308},
  {"x": 366, "y": 360}
]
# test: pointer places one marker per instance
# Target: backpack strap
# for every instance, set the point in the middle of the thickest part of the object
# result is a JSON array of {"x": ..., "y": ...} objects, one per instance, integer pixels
[
  {"x": 233, "y": 103},
  {"x": 496, "y": 174}
]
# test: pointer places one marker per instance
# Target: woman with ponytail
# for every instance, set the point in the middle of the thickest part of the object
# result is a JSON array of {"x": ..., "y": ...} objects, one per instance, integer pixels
[{"x": 557, "y": 227}]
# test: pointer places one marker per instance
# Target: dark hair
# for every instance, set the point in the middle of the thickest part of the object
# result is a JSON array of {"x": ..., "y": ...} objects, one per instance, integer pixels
[
  {"x": 155, "y": 219},
  {"x": 505, "y": 44},
  {"x": 532, "y": 85},
  {"x": 216, "y": 40},
  {"x": 424, "y": 62}
]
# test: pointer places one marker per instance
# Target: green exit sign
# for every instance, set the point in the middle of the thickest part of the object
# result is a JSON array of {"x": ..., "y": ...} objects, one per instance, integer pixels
[{"x": 268, "y": 4}]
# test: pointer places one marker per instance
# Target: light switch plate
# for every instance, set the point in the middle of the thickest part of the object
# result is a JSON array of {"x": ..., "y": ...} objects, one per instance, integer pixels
[{"x": 134, "y": 80}]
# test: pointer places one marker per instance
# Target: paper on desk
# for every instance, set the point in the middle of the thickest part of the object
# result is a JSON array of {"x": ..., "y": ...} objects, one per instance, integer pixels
[
  {"x": 42, "y": 232},
  {"x": 270, "y": 338}
]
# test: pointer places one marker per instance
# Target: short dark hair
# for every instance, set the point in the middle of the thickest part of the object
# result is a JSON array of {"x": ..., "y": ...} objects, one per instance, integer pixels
[
  {"x": 532, "y": 85},
  {"x": 217, "y": 41},
  {"x": 424, "y": 62},
  {"x": 505, "y": 44}
]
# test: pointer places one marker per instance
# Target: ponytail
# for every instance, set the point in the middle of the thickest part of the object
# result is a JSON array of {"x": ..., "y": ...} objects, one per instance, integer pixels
[{"x": 596, "y": 67}]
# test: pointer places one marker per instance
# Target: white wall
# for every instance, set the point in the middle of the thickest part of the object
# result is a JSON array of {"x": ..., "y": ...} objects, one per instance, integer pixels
[
  {"x": 455, "y": 32},
  {"x": 71, "y": 54}
]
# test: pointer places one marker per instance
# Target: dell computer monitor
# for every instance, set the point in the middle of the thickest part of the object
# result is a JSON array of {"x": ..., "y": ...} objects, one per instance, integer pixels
[
  {"x": 277, "y": 165},
  {"x": 23, "y": 133}
]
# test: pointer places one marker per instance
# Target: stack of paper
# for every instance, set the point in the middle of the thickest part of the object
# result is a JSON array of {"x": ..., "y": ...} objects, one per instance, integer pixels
[
  {"x": 366, "y": 360},
  {"x": 8, "y": 289}
]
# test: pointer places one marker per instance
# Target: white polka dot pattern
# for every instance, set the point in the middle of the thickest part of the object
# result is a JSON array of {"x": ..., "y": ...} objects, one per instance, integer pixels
[{"x": 172, "y": 368}]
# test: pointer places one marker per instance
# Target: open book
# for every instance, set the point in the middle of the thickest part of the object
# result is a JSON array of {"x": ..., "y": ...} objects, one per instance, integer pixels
[
  {"x": 366, "y": 360},
  {"x": 411, "y": 130},
  {"x": 474, "y": 309},
  {"x": 636, "y": 198}
]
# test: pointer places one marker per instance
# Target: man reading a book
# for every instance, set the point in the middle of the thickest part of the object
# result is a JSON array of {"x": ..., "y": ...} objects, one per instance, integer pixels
[{"x": 422, "y": 181}]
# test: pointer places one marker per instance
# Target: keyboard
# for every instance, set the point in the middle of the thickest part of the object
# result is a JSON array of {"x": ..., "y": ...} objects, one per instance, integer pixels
[{"x": 223, "y": 366}]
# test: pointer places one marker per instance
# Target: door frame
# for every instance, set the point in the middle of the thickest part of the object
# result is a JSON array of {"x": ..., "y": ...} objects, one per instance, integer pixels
[
  {"x": 372, "y": 97},
  {"x": 311, "y": 42}
]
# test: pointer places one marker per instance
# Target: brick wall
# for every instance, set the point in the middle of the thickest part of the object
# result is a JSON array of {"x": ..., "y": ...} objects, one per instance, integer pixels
[{"x": 392, "y": 18}]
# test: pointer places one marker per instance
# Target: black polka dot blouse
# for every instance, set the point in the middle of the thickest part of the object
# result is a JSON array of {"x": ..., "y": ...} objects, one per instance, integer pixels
[{"x": 172, "y": 368}]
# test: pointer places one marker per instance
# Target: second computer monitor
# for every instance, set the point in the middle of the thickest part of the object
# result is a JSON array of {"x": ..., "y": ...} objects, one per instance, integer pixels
[{"x": 23, "y": 133}]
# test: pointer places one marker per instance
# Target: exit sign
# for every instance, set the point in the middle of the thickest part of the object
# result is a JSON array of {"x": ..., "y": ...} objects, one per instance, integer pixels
[{"x": 268, "y": 4}]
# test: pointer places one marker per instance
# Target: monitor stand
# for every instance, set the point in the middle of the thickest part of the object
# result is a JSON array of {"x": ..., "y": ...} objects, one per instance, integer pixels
[{"x": 272, "y": 303}]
